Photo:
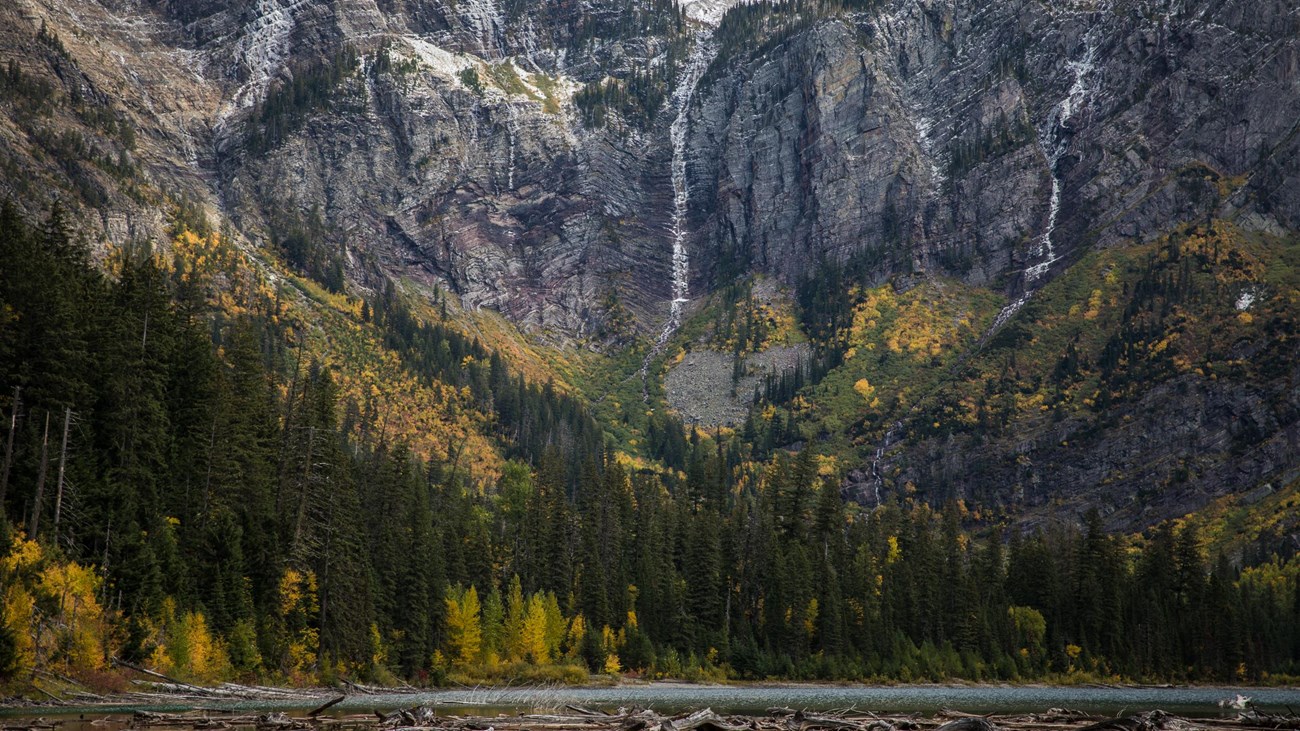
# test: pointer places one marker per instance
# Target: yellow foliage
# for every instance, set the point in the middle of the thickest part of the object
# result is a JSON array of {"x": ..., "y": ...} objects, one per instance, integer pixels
[
  {"x": 189, "y": 649},
  {"x": 810, "y": 618},
  {"x": 533, "y": 635},
  {"x": 895, "y": 552},
  {"x": 464, "y": 629},
  {"x": 577, "y": 631},
  {"x": 297, "y": 592},
  {"x": 20, "y": 618},
  {"x": 864, "y": 389},
  {"x": 298, "y": 608},
  {"x": 827, "y": 465},
  {"x": 52, "y": 610},
  {"x": 302, "y": 651},
  {"x": 608, "y": 639},
  {"x": 1094, "y": 305},
  {"x": 81, "y": 630},
  {"x": 923, "y": 327},
  {"x": 612, "y": 666}
]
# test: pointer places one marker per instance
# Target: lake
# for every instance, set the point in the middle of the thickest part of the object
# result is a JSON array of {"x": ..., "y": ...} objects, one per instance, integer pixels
[{"x": 673, "y": 697}]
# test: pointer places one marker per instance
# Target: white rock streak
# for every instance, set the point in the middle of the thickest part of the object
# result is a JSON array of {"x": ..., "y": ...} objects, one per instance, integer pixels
[
  {"x": 512, "y": 126},
  {"x": 708, "y": 12},
  {"x": 878, "y": 477},
  {"x": 262, "y": 50},
  {"x": 264, "y": 47}
]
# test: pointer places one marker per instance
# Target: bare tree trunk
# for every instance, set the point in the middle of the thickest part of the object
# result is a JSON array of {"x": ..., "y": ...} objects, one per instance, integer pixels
[
  {"x": 9, "y": 450},
  {"x": 63, "y": 462},
  {"x": 105, "y": 597},
  {"x": 40, "y": 479}
]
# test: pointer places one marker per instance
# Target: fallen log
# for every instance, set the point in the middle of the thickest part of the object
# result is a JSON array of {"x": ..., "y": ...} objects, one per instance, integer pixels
[
  {"x": 325, "y": 706},
  {"x": 1148, "y": 721},
  {"x": 155, "y": 674}
]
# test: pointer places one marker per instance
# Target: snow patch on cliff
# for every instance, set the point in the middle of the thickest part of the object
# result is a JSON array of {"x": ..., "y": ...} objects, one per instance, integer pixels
[
  {"x": 442, "y": 62},
  {"x": 708, "y": 12}
]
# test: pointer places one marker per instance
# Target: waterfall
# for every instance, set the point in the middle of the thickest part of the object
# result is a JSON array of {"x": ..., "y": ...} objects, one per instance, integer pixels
[
  {"x": 1054, "y": 141},
  {"x": 701, "y": 56},
  {"x": 877, "y": 477}
]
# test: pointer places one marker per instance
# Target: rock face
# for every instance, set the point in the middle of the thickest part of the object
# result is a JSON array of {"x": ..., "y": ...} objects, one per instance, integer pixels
[
  {"x": 930, "y": 134},
  {"x": 991, "y": 141},
  {"x": 918, "y": 136}
]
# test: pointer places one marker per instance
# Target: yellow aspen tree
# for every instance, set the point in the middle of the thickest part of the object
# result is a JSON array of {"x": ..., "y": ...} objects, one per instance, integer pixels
[
  {"x": 533, "y": 634},
  {"x": 577, "y": 631},
  {"x": 556, "y": 625},
  {"x": 611, "y": 644},
  {"x": 464, "y": 628},
  {"x": 207, "y": 656},
  {"x": 19, "y": 617},
  {"x": 81, "y": 628}
]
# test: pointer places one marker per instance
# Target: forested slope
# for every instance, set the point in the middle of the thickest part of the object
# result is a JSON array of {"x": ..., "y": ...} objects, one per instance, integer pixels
[{"x": 221, "y": 513}]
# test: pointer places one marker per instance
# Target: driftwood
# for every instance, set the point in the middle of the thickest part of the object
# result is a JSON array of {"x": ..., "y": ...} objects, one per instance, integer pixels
[
  {"x": 575, "y": 718},
  {"x": 325, "y": 706},
  {"x": 1149, "y": 721},
  {"x": 969, "y": 723}
]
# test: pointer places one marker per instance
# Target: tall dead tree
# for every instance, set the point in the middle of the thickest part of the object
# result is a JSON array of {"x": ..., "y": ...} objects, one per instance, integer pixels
[{"x": 63, "y": 462}]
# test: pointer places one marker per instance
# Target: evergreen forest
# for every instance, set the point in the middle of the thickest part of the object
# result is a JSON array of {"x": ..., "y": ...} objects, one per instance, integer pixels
[{"x": 191, "y": 485}]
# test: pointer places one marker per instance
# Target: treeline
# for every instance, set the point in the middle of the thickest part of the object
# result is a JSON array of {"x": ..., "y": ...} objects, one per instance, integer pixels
[{"x": 215, "y": 519}]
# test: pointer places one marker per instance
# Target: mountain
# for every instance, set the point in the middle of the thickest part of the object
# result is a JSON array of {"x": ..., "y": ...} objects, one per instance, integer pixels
[
  {"x": 1035, "y": 262},
  {"x": 524, "y": 158}
]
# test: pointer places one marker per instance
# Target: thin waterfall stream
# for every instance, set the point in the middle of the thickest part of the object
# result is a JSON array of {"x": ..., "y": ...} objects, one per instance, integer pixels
[
  {"x": 1054, "y": 140},
  {"x": 702, "y": 54}
]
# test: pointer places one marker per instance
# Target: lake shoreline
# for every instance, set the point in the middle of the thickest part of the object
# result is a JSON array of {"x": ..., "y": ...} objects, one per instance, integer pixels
[{"x": 577, "y": 718}]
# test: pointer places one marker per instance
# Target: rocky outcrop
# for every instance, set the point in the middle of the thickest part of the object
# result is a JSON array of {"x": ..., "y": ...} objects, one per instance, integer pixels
[{"x": 1183, "y": 444}]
